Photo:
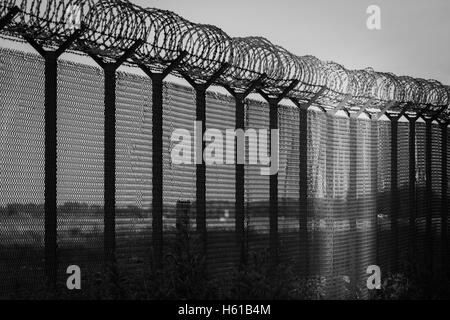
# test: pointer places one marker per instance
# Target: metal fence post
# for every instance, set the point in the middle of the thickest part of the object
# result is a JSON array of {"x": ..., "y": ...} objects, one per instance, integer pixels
[
  {"x": 157, "y": 157},
  {"x": 394, "y": 191},
  {"x": 110, "y": 69},
  {"x": 303, "y": 180},
  {"x": 50, "y": 116},
  {"x": 157, "y": 170},
  {"x": 239, "y": 207},
  {"x": 110, "y": 162},
  {"x": 182, "y": 224},
  {"x": 412, "y": 188},
  {"x": 273, "y": 195},
  {"x": 200, "y": 94},
  {"x": 303, "y": 189},
  {"x": 273, "y": 178},
  {"x": 200, "y": 181}
]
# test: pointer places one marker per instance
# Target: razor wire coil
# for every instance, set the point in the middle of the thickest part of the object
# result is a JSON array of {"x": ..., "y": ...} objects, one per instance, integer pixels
[{"x": 113, "y": 26}]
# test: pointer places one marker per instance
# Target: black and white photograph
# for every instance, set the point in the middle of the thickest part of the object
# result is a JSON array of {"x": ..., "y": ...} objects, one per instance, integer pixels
[{"x": 212, "y": 151}]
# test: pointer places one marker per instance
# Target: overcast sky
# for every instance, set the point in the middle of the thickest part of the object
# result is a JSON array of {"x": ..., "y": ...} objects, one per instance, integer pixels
[{"x": 414, "y": 39}]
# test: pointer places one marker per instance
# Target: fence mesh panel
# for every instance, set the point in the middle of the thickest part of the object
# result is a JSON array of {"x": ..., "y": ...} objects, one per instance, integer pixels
[
  {"x": 222, "y": 250},
  {"x": 288, "y": 186},
  {"x": 178, "y": 180},
  {"x": 436, "y": 200},
  {"x": 421, "y": 192},
  {"x": 21, "y": 173},
  {"x": 403, "y": 192},
  {"x": 384, "y": 198},
  {"x": 366, "y": 200},
  {"x": 318, "y": 209},
  {"x": 80, "y": 170},
  {"x": 257, "y": 185},
  {"x": 349, "y": 182},
  {"x": 133, "y": 173}
]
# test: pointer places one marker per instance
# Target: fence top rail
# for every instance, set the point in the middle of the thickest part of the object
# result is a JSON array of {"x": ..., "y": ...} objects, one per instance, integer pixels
[{"x": 111, "y": 27}]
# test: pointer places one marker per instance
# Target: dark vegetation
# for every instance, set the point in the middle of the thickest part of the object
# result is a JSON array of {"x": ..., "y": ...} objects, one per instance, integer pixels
[{"x": 185, "y": 274}]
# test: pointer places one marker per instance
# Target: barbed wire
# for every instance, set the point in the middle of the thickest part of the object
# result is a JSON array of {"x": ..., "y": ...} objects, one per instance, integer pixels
[{"x": 113, "y": 26}]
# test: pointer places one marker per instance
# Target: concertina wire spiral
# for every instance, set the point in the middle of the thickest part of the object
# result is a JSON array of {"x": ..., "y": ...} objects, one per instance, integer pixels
[{"x": 113, "y": 26}]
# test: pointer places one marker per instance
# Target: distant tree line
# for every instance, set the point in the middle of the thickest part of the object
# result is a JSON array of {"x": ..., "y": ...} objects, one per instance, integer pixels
[
  {"x": 69, "y": 210},
  {"x": 288, "y": 207}
]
